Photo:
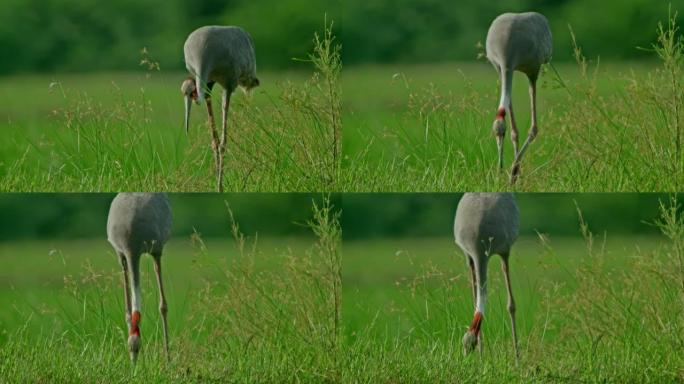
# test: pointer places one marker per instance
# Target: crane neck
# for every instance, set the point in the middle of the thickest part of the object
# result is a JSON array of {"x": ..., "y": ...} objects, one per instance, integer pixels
[
  {"x": 501, "y": 113},
  {"x": 477, "y": 323},
  {"x": 135, "y": 324},
  {"x": 136, "y": 299},
  {"x": 506, "y": 88}
]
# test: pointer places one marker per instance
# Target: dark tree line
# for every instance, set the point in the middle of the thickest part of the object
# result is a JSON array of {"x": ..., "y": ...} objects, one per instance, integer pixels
[
  {"x": 398, "y": 215},
  {"x": 27, "y": 216},
  {"x": 433, "y": 30},
  {"x": 87, "y": 35},
  {"x": 76, "y": 215}
]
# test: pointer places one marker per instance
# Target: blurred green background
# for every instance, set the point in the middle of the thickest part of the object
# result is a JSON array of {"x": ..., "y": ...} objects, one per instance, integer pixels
[
  {"x": 431, "y": 214},
  {"x": 73, "y": 215},
  {"x": 33, "y": 216},
  {"x": 443, "y": 30},
  {"x": 81, "y": 35},
  {"x": 394, "y": 240},
  {"x": 85, "y": 35},
  {"x": 55, "y": 256}
]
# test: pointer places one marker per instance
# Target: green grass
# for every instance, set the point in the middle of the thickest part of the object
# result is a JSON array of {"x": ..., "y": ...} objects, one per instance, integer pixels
[
  {"x": 392, "y": 310},
  {"x": 240, "y": 310},
  {"x": 588, "y": 310},
  {"x": 395, "y": 128},
  {"x": 603, "y": 126},
  {"x": 123, "y": 131},
  {"x": 91, "y": 133}
]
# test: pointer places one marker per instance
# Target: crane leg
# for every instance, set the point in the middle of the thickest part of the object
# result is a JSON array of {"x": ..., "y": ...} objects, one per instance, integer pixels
[
  {"x": 515, "y": 170},
  {"x": 473, "y": 278},
  {"x": 163, "y": 309},
  {"x": 127, "y": 291},
  {"x": 511, "y": 303},
  {"x": 214, "y": 134},
  {"x": 477, "y": 281},
  {"x": 514, "y": 130},
  {"x": 505, "y": 107},
  {"x": 480, "y": 344},
  {"x": 479, "y": 334},
  {"x": 473, "y": 335},
  {"x": 224, "y": 135}
]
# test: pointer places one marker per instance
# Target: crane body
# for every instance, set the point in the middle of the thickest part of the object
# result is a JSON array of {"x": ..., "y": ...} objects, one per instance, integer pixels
[
  {"x": 139, "y": 223},
  {"x": 486, "y": 224},
  {"x": 517, "y": 42},
  {"x": 221, "y": 55}
]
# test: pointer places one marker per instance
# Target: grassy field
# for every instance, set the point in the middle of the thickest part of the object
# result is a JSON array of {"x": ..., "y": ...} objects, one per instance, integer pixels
[
  {"x": 589, "y": 310},
  {"x": 124, "y": 131},
  {"x": 311, "y": 309},
  {"x": 409, "y": 128},
  {"x": 239, "y": 310},
  {"x": 603, "y": 126}
]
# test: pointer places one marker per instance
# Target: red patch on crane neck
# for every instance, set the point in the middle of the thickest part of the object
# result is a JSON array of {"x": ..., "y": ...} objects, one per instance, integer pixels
[
  {"x": 135, "y": 320},
  {"x": 501, "y": 114},
  {"x": 477, "y": 322}
]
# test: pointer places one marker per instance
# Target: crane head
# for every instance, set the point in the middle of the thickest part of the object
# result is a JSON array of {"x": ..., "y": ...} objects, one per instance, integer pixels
[
  {"x": 472, "y": 334},
  {"x": 499, "y": 130},
  {"x": 189, "y": 90},
  {"x": 469, "y": 342},
  {"x": 134, "y": 341},
  {"x": 247, "y": 83}
]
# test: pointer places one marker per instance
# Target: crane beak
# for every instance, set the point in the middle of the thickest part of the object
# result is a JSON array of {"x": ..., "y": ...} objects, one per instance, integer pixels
[
  {"x": 134, "y": 358},
  {"x": 469, "y": 342},
  {"x": 188, "y": 105},
  {"x": 134, "y": 347},
  {"x": 499, "y": 130},
  {"x": 500, "y": 148}
]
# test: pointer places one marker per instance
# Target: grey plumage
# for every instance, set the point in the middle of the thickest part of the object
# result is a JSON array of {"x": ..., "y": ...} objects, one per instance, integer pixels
[
  {"x": 223, "y": 55},
  {"x": 517, "y": 42},
  {"x": 139, "y": 223},
  {"x": 486, "y": 224},
  {"x": 520, "y": 41}
]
